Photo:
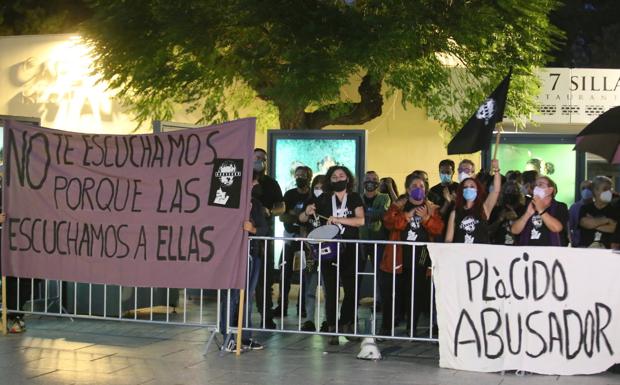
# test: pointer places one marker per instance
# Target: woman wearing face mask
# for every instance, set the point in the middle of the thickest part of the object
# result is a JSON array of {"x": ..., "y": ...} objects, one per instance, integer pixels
[
  {"x": 340, "y": 206},
  {"x": 511, "y": 206},
  {"x": 598, "y": 219},
  {"x": 545, "y": 220},
  {"x": 412, "y": 218},
  {"x": 466, "y": 169},
  {"x": 468, "y": 222},
  {"x": 294, "y": 202}
]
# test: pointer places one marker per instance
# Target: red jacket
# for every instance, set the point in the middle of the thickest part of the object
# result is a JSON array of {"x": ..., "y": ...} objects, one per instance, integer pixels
[{"x": 395, "y": 220}]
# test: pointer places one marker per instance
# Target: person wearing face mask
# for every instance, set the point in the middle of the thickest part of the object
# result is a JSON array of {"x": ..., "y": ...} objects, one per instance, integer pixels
[
  {"x": 375, "y": 206},
  {"x": 412, "y": 218},
  {"x": 511, "y": 206},
  {"x": 545, "y": 220},
  {"x": 446, "y": 188},
  {"x": 269, "y": 194},
  {"x": 585, "y": 189},
  {"x": 598, "y": 219},
  {"x": 294, "y": 201},
  {"x": 468, "y": 222},
  {"x": 467, "y": 169},
  {"x": 340, "y": 206},
  {"x": 529, "y": 182}
]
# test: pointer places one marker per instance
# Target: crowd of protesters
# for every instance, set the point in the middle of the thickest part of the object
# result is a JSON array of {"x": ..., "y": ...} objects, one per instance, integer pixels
[{"x": 511, "y": 208}]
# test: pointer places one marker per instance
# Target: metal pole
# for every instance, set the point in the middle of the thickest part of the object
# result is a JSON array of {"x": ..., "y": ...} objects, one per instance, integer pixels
[
  {"x": 240, "y": 321},
  {"x": 4, "y": 321}
]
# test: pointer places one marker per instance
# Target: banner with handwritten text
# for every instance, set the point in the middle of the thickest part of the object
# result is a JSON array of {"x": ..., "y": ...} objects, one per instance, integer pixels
[
  {"x": 162, "y": 210},
  {"x": 548, "y": 310}
]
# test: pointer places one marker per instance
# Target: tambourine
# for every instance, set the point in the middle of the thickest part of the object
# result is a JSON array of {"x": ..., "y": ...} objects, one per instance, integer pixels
[{"x": 327, "y": 250}]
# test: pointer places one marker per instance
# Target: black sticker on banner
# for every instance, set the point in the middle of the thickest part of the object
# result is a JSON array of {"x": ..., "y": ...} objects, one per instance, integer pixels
[{"x": 226, "y": 183}]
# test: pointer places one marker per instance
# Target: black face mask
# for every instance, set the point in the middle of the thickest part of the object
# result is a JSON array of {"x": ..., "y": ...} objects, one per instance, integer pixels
[
  {"x": 301, "y": 182},
  {"x": 341, "y": 185},
  {"x": 383, "y": 188},
  {"x": 371, "y": 186}
]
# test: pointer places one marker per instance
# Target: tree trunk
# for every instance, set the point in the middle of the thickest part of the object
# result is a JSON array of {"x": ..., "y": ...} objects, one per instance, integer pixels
[{"x": 369, "y": 107}]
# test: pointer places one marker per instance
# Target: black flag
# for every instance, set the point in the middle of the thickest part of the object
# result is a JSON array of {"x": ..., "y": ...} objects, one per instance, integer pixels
[{"x": 477, "y": 132}]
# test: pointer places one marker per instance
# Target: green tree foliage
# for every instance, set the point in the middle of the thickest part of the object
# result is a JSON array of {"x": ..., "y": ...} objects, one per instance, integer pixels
[
  {"x": 217, "y": 57},
  {"x": 30, "y": 17}
]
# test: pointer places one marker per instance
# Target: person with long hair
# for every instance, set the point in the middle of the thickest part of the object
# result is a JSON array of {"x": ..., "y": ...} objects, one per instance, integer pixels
[
  {"x": 340, "y": 206},
  {"x": 469, "y": 221},
  {"x": 545, "y": 220},
  {"x": 411, "y": 218}
]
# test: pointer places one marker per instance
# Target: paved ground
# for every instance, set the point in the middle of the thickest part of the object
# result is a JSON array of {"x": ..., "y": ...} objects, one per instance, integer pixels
[{"x": 58, "y": 351}]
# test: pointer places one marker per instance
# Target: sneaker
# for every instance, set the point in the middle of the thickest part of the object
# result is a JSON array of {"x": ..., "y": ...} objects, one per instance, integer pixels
[
  {"x": 230, "y": 347},
  {"x": 14, "y": 327},
  {"x": 308, "y": 326},
  {"x": 22, "y": 324},
  {"x": 252, "y": 345}
]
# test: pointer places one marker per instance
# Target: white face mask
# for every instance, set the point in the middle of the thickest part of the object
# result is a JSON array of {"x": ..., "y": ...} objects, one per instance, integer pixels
[
  {"x": 606, "y": 196},
  {"x": 463, "y": 175},
  {"x": 317, "y": 192},
  {"x": 539, "y": 192}
]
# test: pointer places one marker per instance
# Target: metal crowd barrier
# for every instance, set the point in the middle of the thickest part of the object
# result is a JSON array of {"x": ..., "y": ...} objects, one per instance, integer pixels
[
  {"x": 205, "y": 308},
  {"x": 366, "y": 315}
]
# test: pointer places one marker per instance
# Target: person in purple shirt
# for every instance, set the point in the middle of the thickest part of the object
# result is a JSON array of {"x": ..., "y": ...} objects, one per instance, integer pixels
[{"x": 573, "y": 213}]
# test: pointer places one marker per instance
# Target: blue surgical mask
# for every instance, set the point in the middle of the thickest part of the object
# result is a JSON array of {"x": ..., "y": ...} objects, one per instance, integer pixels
[
  {"x": 586, "y": 193},
  {"x": 470, "y": 193},
  {"x": 445, "y": 178}
]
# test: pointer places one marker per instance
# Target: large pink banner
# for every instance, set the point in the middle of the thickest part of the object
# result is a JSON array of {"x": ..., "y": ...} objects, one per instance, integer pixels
[{"x": 162, "y": 210}]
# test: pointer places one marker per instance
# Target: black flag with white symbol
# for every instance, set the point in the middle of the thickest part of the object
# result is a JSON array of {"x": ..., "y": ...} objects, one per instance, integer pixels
[{"x": 477, "y": 132}]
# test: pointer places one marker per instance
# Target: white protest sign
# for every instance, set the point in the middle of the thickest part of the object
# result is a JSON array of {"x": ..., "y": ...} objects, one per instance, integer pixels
[{"x": 548, "y": 310}]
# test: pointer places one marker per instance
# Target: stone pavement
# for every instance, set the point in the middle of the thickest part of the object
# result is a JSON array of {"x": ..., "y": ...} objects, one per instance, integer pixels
[{"x": 58, "y": 351}]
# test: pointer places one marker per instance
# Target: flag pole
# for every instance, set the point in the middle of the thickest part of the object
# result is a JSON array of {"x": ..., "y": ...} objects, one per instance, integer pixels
[
  {"x": 240, "y": 321},
  {"x": 498, "y": 126}
]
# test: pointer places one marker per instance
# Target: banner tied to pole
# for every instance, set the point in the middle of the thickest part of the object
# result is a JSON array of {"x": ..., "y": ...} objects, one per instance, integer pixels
[
  {"x": 157, "y": 210},
  {"x": 547, "y": 310}
]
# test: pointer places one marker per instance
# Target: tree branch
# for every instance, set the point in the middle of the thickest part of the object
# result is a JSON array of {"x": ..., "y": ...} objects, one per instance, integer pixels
[{"x": 367, "y": 109}]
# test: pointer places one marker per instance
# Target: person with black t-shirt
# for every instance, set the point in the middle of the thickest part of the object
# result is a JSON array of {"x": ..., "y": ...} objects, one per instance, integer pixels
[
  {"x": 269, "y": 194},
  {"x": 468, "y": 222},
  {"x": 615, "y": 237},
  {"x": 294, "y": 201},
  {"x": 598, "y": 219},
  {"x": 511, "y": 206},
  {"x": 545, "y": 221},
  {"x": 339, "y": 206}
]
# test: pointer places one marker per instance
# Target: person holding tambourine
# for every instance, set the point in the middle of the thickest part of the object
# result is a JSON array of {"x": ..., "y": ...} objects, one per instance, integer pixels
[{"x": 340, "y": 206}]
